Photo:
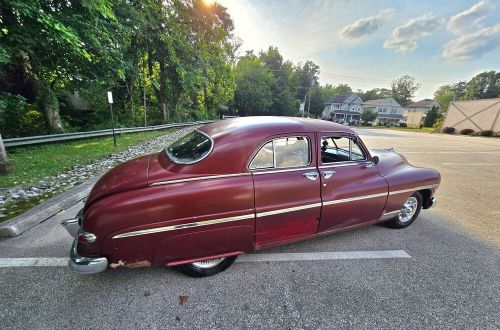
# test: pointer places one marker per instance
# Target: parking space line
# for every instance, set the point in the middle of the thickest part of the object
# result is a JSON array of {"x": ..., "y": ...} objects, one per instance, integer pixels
[
  {"x": 319, "y": 256},
  {"x": 473, "y": 164},
  {"x": 33, "y": 262},
  {"x": 260, "y": 257}
]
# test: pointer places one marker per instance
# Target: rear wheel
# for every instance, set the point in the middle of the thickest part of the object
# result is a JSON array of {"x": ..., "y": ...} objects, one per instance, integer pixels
[
  {"x": 408, "y": 213},
  {"x": 207, "y": 267}
]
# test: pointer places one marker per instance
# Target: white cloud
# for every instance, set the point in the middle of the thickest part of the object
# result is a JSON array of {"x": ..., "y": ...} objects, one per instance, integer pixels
[
  {"x": 472, "y": 39},
  {"x": 365, "y": 26},
  {"x": 404, "y": 38},
  {"x": 472, "y": 45},
  {"x": 470, "y": 18}
]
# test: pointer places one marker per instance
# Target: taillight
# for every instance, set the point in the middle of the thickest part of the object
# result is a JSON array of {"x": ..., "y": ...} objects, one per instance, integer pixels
[{"x": 84, "y": 237}]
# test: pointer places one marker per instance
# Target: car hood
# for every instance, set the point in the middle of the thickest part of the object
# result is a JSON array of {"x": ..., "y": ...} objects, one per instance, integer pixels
[{"x": 130, "y": 175}]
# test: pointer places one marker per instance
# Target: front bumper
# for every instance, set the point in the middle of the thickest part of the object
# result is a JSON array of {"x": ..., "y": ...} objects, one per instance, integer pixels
[{"x": 84, "y": 265}]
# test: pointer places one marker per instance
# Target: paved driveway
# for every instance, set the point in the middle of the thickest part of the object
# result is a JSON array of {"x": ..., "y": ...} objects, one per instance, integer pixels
[{"x": 444, "y": 273}]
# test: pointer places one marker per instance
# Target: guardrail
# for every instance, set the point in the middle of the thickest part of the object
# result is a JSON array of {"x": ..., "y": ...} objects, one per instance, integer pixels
[{"x": 30, "y": 140}]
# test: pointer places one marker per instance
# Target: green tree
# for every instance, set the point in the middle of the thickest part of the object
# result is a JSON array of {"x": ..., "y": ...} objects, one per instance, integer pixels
[
  {"x": 51, "y": 45},
  {"x": 368, "y": 115},
  {"x": 403, "y": 89},
  {"x": 431, "y": 117},
  {"x": 305, "y": 76},
  {"x": 485, "y": 85},
  {"x": 444, "y": 95},
  {"x": 375, "y": 94},
  {"x": 253, "y": 95}
]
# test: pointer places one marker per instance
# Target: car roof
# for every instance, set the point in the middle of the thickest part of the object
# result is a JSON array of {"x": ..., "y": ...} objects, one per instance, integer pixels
[{"x": 271, "y": 125}]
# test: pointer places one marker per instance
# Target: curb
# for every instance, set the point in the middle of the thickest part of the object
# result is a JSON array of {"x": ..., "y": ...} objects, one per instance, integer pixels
[{"x": 45, "y": 210}]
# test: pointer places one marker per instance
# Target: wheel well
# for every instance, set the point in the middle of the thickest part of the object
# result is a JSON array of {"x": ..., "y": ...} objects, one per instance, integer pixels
[{"x": 426, "y": 198}]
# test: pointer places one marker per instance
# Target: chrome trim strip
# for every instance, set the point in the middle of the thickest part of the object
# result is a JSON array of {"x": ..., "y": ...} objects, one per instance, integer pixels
[
  {"x": 184, "y": 226},
  {"x": 290, "y": 209},
  {"x": 352, "y": 199},
  {"x": 388, "y": 215},
  {"x": 343, "y": 164},
  {"x": 199, "y": 178},
  {"x": 295, "y": 169},
  {"x": 413, "y": 189}
]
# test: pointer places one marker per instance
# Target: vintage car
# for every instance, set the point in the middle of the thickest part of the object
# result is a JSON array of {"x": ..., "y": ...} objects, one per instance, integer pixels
[{"x": 240, "y": 185}]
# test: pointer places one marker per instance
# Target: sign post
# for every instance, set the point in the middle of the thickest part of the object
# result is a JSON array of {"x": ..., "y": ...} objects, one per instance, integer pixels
[{"x": 110, "y": 101}]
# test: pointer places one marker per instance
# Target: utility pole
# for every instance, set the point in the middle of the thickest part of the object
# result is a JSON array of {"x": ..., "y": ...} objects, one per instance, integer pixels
[{"x": 309, "y": 98}]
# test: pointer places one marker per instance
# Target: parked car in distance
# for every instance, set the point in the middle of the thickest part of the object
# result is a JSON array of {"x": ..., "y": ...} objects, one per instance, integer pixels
[{"x": 240, "y": 185}]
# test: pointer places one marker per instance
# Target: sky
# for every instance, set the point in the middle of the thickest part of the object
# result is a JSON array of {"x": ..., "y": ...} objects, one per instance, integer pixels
[{"x": 367, "y": 44}]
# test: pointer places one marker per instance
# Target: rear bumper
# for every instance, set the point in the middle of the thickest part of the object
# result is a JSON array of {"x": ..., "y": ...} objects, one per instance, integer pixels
[{"x": 84, "y": 265}]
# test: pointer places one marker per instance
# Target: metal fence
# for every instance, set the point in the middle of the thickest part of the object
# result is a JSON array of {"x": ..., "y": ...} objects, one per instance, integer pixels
[{"x": 31, "y": 140}]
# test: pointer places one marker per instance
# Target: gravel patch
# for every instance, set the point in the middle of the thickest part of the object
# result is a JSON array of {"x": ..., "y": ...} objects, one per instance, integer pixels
[{"x": 14, "y": 198}]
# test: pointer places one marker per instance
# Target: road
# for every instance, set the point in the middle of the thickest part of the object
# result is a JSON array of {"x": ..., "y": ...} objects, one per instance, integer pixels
[{"x": 448, "y": 279}]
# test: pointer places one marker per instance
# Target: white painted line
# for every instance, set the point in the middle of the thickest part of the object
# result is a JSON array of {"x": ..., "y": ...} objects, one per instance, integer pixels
[
  {"x": 33, "y": 262},
  {"x": 473, "y": 164},
  {"x": 318, "y": 256},
  {"x": 260, "y": 257}
]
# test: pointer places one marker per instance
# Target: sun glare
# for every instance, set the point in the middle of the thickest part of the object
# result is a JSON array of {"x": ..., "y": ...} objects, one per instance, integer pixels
[{"x": 209, "y": 2}]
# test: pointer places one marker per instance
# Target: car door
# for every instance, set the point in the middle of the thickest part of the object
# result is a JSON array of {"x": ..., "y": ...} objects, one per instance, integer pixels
[
  {"x": 287, "y": 189},
  {"x": 352, "y": 190}
]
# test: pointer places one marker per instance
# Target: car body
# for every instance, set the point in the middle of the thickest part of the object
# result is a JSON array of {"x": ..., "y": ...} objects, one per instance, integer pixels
[{"x": 240, "y": 185}]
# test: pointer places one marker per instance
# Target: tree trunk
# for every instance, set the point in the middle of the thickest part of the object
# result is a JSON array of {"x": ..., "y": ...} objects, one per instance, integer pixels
[
  {"x": 5, "y": 166},
  {"x": 49, "y": 105}
]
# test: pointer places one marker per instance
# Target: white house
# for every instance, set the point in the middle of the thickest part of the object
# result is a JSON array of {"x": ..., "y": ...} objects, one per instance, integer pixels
[
  {"x": 422, "y": 106},
  {"x": 389, "y": 112},
  {"x": 343, "y": 109}
]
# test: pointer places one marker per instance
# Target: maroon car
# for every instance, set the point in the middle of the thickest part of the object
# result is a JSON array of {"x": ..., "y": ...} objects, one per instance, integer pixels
[{"x": 241, "y": 185}]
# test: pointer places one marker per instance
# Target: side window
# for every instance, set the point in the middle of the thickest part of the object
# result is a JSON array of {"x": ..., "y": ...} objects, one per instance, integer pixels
[
  {"x": 340, "y": 149},
  {"x": 282, "y": 153}
]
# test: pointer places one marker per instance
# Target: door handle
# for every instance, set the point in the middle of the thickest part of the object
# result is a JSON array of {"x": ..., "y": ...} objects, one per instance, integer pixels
[
  {"x": 311, "y": 175},
  {"x": 327, "y": 174}
]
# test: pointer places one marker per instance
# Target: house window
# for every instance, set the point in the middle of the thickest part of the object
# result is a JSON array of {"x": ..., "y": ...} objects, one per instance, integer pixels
[{"x": 394, "y": 111}]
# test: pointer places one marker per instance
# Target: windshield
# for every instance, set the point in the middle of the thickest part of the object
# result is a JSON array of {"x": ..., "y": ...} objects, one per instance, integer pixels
[{"x": 190, "y": 148}]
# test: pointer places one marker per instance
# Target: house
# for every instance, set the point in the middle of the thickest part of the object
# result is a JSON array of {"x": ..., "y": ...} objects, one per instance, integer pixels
[
  {"x": 478, "y": 115},
  {"x": 422, "y": 107},
  {"x": 343, "y": 109},
  {"x": 389, "y": 112}
]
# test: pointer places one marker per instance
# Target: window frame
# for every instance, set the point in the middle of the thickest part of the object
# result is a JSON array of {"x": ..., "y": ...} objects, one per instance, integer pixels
[
  {"x": 347, "y": 162},
  {"x": 309, "y": 145},
  {"x": 171, "y": 158}
]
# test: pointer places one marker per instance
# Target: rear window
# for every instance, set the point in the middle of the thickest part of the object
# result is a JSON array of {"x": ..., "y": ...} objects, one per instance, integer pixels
[{"x": 190, "y": 148}]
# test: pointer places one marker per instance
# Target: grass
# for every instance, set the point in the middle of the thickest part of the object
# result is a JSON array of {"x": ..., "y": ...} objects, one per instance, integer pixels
[
  {"x": 31, "y": 164},
  {"x": 407, "y": 129}
]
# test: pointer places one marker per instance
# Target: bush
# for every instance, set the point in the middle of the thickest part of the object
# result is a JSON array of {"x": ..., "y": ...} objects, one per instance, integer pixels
[
  {"x": 486, "y": 133},
  {"x": 403, "y": 125},
  {"x": 466, "y": 131},
  {"x": 448, "y": 130}
]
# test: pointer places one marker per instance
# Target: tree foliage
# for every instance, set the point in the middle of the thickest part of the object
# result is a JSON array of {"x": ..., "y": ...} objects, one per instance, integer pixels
[
  {"x": 431, "y": 117},
  {"x": 368, "y": 115},
  {"x": 403, "y": 89}
]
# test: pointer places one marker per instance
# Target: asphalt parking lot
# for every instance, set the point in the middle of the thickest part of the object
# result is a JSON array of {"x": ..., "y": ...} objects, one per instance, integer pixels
[{"x": 445, "y": 275}]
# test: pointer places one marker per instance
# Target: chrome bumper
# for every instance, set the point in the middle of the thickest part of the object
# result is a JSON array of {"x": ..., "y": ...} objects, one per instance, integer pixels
[
  {"x": 84, "y": 265},
  {"x": 433, "y": 202}
]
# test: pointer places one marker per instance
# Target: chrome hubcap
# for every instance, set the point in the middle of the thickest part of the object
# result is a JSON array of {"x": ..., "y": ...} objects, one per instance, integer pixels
[
  {"x": 408, "y": 210},
  {"x": 208, "y": 263}
]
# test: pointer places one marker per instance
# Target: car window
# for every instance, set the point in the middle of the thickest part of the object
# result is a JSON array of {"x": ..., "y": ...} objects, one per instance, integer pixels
[
  {"x": 190, "y": 148},
  {"x": 340, "y": 149},
  {"x": 282, "y": 153}
]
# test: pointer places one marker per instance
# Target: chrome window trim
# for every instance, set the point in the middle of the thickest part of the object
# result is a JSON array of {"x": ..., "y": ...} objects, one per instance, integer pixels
[
  {"x": 278, "y": 170},
  {"x": 184, "y": 226},
  {"x": 413, "y": 189},
  {"x": 160, "y": 183},
  {"x": 289, "y": 209},
  {"x": 344, "y": 164},
  {"x": 353, "y": 199},
  {"x": 351, "y": 137},
  {"x": 309, "y": 145},
  {"x": 196, "y": 161}
]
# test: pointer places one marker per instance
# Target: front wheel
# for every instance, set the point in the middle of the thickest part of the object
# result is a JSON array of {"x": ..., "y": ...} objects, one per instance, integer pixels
[
  {"x": 207, "y": 267},
  {"x": 408, "y": 213}
]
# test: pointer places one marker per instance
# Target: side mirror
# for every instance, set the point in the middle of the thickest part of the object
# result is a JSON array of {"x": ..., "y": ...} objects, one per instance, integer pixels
[{"x": 375, "y": 160}]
